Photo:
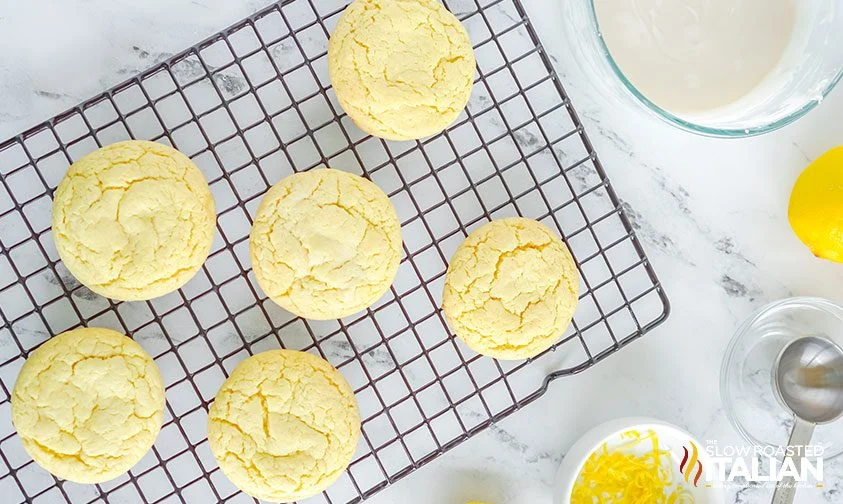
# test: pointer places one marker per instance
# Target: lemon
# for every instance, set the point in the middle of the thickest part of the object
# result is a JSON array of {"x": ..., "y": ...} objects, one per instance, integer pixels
[{"x": 816, "y": 206}]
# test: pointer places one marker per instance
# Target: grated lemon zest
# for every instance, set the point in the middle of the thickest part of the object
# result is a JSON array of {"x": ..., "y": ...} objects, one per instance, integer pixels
[{"x": 618, "y": 476}]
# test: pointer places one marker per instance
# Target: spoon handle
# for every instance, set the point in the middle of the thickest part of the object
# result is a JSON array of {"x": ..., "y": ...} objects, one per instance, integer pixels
[{"x": 800, "y": 436}]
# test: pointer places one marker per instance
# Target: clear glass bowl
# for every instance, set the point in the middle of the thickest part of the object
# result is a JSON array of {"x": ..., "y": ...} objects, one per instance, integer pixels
[
  {"x": 746, "y": 377},
  {"x": 809, "y": 70}
]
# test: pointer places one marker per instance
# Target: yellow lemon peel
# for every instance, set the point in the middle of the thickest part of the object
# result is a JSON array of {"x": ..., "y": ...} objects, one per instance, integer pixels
[{"x": 616, "y": 475}]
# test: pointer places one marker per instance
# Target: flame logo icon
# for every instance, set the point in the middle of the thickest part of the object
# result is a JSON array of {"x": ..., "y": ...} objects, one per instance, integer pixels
[{"x": 689, "y": 463}]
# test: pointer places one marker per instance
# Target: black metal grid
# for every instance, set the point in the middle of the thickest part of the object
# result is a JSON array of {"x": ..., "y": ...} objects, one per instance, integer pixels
[{"x": 251, "y": 105}]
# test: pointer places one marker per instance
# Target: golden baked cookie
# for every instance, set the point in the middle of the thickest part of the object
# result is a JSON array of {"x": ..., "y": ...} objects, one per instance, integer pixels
[
  {"x": 88, "y": 404},
  {"x": 284, "y": 425},
  {"x": 402, "y": 69},
  {"x": 511, "y": 289},
  {"x": 133, "y": 220},
  {"x": 325, "y": 243}
]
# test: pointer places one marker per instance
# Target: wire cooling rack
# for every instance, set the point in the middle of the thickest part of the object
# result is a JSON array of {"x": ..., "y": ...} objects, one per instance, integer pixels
[{"x": 251, "y": 105}]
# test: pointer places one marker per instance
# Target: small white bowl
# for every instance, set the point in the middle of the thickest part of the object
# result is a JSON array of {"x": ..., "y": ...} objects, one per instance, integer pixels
[{"x": 671, "y": 438}]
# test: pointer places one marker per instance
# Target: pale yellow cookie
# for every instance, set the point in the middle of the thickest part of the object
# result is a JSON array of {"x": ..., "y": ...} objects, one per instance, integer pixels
[
  {"x": 133, "y": 220},
  {"x": 325, "y": 243},
  {"x": 88, "y": 404},
  {"x": 284, "y": 425},
  {"x": 511, "y": 289},
  {"x": 402, "y": 69}
]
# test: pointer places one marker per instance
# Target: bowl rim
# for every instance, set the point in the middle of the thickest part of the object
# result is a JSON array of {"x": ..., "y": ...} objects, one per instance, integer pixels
[
  {"x": 582, "y": 449},
  {"x": 725, "y": 396},
  {"x": 688, "y": 125}
]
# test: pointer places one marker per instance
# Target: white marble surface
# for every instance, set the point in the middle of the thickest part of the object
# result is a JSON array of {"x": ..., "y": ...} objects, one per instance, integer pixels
[{"x": 711, "y": 214}]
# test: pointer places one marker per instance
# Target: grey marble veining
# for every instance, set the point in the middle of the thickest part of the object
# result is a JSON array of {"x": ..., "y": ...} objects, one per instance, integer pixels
[{"x": 710, "y": 213}]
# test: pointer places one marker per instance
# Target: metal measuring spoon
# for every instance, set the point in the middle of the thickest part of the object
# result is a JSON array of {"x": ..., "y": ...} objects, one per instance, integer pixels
[{"x": 806, "y": 377}]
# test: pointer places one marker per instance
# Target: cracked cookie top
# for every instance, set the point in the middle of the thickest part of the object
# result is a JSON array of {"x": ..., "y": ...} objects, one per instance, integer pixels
[
  {"x": 284, "y": 425},
  {"x": 402, "y": 69},
  {"x": 133, "y": 220},
  {"x": 511, "y": 289},
  {"x": 88, "y": 404},
  {"x": 325, "y": 243}
]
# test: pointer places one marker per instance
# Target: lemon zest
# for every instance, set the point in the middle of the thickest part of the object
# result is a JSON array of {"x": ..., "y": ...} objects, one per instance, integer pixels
[{"x": 618, "y": 476}]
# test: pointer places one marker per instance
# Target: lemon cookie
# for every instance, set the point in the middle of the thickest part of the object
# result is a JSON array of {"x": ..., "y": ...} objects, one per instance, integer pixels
[
  {"x": 402, "y": 69},
  {"x": 133, "y": 220},
  {"x": 284, "y": 425},
  {"x": 88, "y": 404},
  {"x": 325, "y": 243},
  {"x": 511, "y": 289}
]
